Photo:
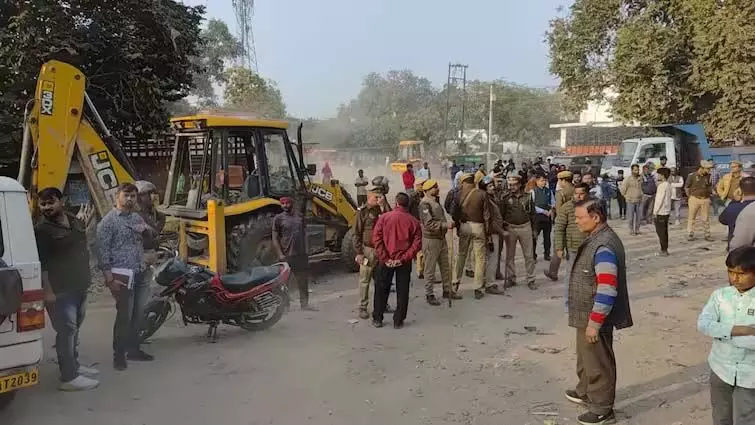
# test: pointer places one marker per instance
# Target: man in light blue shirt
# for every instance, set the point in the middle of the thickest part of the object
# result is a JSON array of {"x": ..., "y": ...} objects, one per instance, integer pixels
[{"x": 729, "y": 318}]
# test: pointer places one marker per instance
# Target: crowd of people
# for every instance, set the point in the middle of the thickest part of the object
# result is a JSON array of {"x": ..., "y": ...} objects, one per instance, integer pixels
[
  {"x": 472, "y": 232},
  {"x": 493, "y": 212}
]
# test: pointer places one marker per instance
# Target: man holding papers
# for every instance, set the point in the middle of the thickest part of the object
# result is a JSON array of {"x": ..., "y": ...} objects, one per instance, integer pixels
[{"x": 121, "y": 257}]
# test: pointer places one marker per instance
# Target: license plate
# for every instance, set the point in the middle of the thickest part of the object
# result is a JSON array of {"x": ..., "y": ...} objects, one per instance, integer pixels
[{"x": 27, "y": 378}]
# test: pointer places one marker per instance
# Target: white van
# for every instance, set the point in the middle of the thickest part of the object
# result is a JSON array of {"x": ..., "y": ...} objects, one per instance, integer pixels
[{"x": 22, "y": 315}]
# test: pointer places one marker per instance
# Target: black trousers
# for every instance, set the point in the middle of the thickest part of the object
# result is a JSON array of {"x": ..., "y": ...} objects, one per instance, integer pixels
[
  {"x": 361, "y": 200},
  {"x": 383, "y": 282},
  {"x": 661, "y": 228},
  {"x": 541, "y": 223},
  {"x": 622, "y": 201}
]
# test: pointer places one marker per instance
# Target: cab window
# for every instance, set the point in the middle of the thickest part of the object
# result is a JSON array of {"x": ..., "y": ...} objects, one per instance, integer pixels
[{"x": 279, "y": 167}]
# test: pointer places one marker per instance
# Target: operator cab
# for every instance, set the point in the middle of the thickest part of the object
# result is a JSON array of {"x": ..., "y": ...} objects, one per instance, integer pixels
[{"x": 229, "y": 159}]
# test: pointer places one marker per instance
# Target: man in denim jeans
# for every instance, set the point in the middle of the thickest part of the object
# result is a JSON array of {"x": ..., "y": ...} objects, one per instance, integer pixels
[
  {"x": 62, "y": 244},
  {"x": 120, "y": 243}
]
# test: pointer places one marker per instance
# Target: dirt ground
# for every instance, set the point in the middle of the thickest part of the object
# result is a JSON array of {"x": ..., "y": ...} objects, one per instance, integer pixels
[{"x": 500, "y": 360}]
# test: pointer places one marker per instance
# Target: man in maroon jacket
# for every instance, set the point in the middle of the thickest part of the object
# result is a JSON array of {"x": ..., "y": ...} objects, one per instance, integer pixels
[{"x": 397, "y": 238}]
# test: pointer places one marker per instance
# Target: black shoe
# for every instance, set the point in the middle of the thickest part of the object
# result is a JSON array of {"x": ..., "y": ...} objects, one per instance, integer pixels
[
  {"x": 572, "y": 396},
  {"x": 478, "y": 294},
  {"x": 398, "y": 325},
  {"x": 452, "y": 295},
  {"x": 494, "y": 290},
  {"x": 119, "y": 362},
  {"x": 591, "y": 418},
  {"x": 377, "y": 324},
  {"x": 547, "y": 258},
  {"x": 550, "y": 276},
  {"x": 469, "y": 273},
  {"x": 421, "y": 276},
  {"x": 389, "y": 309},
  {"x": 432, "y": 300},
  {"x": 140, "y": 356}
]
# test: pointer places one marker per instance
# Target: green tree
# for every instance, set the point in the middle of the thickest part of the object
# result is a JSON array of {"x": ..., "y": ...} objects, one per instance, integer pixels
[
  {"x": 220, "y": 48},
  {"x": 248, "y": 91},
  {"x": 135, "y": 54},
  {"x": 667, "y": 60}
]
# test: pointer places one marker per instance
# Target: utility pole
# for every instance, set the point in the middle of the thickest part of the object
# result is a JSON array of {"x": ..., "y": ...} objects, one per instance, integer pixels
[{"x": 490, "y": 120}]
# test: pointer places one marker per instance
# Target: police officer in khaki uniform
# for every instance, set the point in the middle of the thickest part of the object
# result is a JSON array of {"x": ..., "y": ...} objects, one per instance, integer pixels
[
  {"x": 414, "y": 201},
  {"x": 365, "y": 222},
  {"x": 434, "y": 245},
  {"x": 518, "y": 210}
]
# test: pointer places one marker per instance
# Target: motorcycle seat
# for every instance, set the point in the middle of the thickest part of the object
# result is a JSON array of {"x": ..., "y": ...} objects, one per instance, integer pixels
[{"x": 247, "y": 279}]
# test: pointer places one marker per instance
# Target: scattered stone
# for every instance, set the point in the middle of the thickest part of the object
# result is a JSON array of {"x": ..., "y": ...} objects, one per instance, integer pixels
[
  {"x": 353, "y": 321},
  {"x": 543, "y": 349},
  {"x": 505, "y": 316},
  {"x": 530, "y": 328},
  {"x": 461, "y": 349}
]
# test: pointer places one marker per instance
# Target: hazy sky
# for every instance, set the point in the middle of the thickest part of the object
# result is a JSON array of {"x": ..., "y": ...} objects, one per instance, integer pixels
[{"x": 319, "y": 50}]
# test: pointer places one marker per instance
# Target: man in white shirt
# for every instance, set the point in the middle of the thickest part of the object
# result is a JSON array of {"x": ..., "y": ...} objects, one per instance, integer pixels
[
  {"x": 424, "y": 172},
  {"x": 677, "y": 185},
  {"x": 361, "y": 184},
  {"x": 662, "y": 208}
]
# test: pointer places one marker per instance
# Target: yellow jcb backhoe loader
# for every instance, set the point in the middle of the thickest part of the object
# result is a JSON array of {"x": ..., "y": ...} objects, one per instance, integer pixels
[{"x": 226, "y": 176}]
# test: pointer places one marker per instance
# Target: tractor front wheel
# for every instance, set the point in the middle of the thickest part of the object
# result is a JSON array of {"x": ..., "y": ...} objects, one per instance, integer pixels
[{"x": 348, "y": 252}]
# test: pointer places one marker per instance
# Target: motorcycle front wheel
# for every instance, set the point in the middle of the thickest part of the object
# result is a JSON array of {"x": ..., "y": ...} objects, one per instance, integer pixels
[
  {"x": 156, "y": 312},
  {"x": 261, "y": 324}
]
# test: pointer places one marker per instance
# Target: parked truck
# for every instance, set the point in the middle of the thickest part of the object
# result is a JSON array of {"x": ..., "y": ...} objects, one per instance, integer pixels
[{"x": 684, "y": 145}]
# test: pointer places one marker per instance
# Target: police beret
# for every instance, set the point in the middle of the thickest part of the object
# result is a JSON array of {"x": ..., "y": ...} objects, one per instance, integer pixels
[
  {"x": 565, "y": 175},
  {"x": 429, "y": 184}
]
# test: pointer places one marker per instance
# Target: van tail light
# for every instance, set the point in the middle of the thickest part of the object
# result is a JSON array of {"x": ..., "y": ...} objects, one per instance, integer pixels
[{"x": 31, "y": 314}]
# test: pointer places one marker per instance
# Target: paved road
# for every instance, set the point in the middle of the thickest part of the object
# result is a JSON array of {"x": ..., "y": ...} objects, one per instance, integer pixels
[{"x": 472, "y": 364}]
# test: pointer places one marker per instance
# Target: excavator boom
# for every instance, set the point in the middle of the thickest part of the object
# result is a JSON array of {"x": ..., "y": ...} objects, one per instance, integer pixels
[{"x": 58, "y": 133}]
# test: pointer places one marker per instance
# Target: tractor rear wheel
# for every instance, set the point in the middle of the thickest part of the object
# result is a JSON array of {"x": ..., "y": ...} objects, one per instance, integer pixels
[
  {"x": 250, "y": 244},
  {"x": 348, "y": 252}
]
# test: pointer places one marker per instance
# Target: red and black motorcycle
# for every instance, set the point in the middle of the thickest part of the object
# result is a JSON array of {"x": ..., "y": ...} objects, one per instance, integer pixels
[{"x": 254, "y": 299}]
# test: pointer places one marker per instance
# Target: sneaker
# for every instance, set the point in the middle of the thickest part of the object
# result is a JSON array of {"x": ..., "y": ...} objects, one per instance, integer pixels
[
  {"x": 550, "y": 276},
  {"x": 572, "y": 396},
  {"x": 80, "y": 383},
  {"x": 591, "y": 418},
  {"x": 90, "y": 371},
  {"x": 363, "y": 314},
  {"x": 398, "y": 325},
  {"x": 377, "y": 324},
  {"x": 664, "y": 254},
  {"x": 709, "y": 238},
  {"x": 532, "y": 285},
  {"x": 432, "y": 300},
  {"x": 140, "y": 356},
  {"x": 119, "y": 362},
  {"x": 478, "y": 294}
]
